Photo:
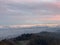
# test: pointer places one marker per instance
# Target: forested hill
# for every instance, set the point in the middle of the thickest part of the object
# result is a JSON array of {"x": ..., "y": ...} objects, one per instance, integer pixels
[{"x": 42, "y": 38}]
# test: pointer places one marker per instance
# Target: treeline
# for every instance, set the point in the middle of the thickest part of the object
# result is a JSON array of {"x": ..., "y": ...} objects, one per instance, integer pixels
[
  {"x": 42, "y": 38},
  {"x": 23, "y": 37}
]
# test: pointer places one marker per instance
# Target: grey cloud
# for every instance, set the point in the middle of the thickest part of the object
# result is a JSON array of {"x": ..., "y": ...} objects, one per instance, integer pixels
[
  {"x": 18, "y": 13},
  {"x": 33, "y": 9},
  {"x": 58, "y": 0},
  {"x": 28, "y": 9}
]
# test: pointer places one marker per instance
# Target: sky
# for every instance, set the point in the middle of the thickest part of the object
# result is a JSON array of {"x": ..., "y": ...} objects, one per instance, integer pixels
[{"x": 16, "y": 12}]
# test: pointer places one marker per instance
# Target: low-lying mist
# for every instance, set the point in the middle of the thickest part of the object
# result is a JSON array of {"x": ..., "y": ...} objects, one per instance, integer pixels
[{"x": 6, "y": 33}]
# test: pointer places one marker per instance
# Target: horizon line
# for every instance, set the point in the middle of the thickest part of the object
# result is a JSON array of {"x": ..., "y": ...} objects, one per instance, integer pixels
[{"x": 28, "y": 25}]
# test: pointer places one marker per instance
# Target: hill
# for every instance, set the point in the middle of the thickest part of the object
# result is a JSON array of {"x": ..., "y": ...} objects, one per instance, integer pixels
[{"x": 42, "y": 38}]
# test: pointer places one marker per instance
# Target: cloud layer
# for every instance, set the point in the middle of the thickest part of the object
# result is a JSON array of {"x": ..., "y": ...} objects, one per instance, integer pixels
[{"x": 29, "y": 12}]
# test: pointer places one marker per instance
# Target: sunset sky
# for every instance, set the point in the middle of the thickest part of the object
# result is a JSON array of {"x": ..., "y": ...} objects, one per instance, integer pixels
[{"x": 16, "y": 12}]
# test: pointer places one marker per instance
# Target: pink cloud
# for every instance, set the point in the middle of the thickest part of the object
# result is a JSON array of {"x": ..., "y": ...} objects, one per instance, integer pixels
[
  {"x": 43, "y": 18},
  {"x": 57, "y": 4},
  {"x": 53, "y": 18}
]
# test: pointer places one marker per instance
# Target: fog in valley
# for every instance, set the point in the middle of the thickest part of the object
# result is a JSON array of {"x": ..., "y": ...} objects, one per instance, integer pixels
[{"x": 7, "y": 32}]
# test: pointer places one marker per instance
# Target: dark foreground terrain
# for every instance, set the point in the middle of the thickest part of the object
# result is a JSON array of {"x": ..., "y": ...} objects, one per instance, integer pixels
[{"x": 42, "y": 38}]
